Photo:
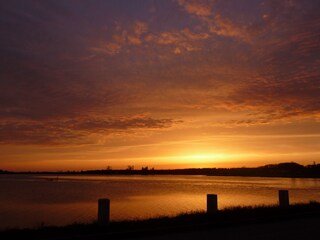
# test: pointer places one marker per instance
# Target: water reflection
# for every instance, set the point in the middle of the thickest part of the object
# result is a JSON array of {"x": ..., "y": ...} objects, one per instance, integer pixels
[{"x": 31, "y": 200}]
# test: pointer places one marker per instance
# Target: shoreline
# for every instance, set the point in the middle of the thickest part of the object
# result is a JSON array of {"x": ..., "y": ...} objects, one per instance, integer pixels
[
  {"x": 158, "y": 173},
  {"x": 182, "y": 223},
  {"x": 283, "y": 170}
]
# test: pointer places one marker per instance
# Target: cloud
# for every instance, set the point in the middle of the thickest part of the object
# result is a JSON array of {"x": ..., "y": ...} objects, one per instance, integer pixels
[
  {"x": 75, "y": 131},
  {"x": 121, "y": 123},
  {"x": 270, "y": 70},
  {"x": 197, "y": 7},
  {"x": 140, "y": 27},
  {"x": 111, "y": 48},
  {"x": 225, "y": 27},
  {"x": 123, "y": 38},
  {"x": 43, "y": 96},
  {"x": 214, "y": 20},
  {"x": 283, "y": 85},
  {"x": 179, "y": 41},
  {"x": 194, "y": 36}
]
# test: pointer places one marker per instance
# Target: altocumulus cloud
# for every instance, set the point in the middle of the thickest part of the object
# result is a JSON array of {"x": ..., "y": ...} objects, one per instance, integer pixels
[
  {"x": 75, "y": 131},
  {"x": 68, "y": 70}
]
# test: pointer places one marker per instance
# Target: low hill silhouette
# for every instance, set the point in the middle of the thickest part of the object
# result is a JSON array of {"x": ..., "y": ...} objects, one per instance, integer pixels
[{"x": 287, "y": 169}]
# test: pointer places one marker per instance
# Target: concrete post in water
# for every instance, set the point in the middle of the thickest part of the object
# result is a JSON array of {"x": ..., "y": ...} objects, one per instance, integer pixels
[
  {"x": 103, "y": 211},
  {"x": 283, "y": 198},
  {"x": 212, "y": 203}
]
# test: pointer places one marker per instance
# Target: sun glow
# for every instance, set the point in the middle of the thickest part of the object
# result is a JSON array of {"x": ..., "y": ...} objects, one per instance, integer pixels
[{"x": 204, "y": 157}]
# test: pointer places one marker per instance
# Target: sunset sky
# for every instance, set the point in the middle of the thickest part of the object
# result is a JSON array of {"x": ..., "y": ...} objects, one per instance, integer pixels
[{"x": 158, "y": 83}]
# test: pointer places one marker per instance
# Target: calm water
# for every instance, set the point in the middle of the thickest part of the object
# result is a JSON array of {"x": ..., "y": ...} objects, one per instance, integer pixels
[{"x": 33, "y": 200}]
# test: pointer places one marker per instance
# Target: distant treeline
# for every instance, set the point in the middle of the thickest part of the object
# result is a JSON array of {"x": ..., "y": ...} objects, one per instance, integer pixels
[{"x": 290, "y": 169}]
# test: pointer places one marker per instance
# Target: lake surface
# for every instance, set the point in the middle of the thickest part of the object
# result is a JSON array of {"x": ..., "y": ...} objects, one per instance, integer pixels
[{"x": 36, "y": 200}]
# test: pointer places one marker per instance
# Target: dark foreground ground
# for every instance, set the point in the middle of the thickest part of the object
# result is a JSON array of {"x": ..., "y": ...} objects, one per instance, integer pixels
[
  {"x": 300, "y": 221},
  {"x": 296, "y": 229}
]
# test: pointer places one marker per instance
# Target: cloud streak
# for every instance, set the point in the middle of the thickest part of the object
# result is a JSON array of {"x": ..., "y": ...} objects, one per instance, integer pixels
[
  {"x": 199, "y": 8},
  {"x": 75, "y": 131}
]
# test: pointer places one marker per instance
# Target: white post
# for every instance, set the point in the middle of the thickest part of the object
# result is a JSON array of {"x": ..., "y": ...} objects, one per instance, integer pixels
[
  {"x": 283, "y": 198},
  {"x": 212, "y": 203},
  {"x": 103, "y": 211}
]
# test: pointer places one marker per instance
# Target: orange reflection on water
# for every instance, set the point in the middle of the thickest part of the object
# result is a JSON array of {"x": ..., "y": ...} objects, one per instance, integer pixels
[{"x": 32, "y": 200}]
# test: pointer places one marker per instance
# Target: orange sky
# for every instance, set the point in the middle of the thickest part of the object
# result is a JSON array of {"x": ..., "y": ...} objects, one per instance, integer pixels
[{"x": 164, "y": 84}]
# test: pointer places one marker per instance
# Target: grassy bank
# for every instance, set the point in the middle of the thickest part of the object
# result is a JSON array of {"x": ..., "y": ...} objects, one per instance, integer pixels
[{"x": 194, "y": 221}]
